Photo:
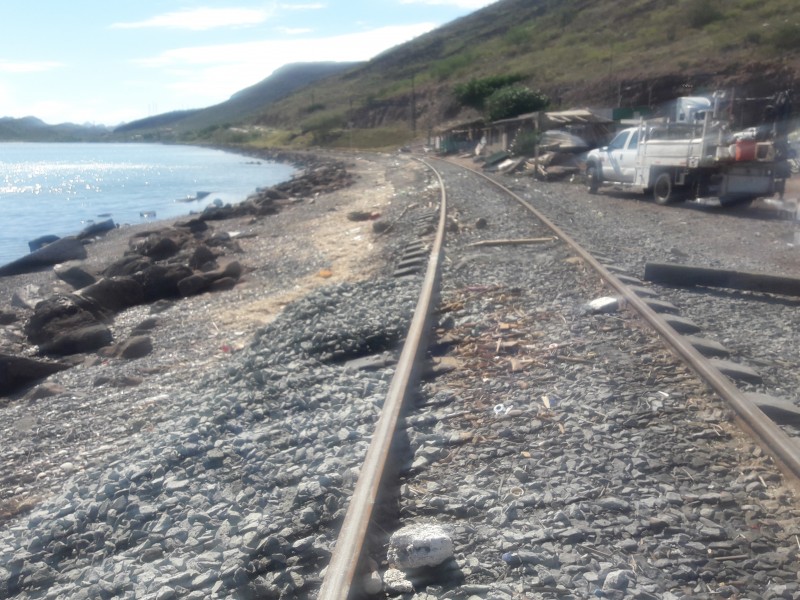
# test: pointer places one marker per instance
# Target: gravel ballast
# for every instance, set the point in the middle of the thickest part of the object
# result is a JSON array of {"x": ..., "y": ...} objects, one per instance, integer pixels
[
  {"x": 570, "y": 455},
  {"x": 566, "y": 454}
]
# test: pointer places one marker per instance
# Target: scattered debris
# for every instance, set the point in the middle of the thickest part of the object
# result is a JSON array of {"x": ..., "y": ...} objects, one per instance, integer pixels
[
  {"x": 606, "y": 304},
  {"x": 519, "y": 242}
]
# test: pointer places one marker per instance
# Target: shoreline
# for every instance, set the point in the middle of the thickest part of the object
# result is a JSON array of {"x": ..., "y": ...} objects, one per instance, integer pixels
[
  {"x": 233, "y": 228},
  {"x": 17, "y": 247},
  {"x": 103, "y": 401},
  {"x": 247, "y": 238}
]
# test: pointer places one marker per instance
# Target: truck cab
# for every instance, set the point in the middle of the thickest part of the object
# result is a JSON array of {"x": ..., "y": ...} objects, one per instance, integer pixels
[{"x": 615, "y": 162}]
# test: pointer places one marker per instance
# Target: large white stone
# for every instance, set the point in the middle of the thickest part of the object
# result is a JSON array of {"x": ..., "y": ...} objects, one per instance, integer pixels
[{"x": 420, "y": 545}]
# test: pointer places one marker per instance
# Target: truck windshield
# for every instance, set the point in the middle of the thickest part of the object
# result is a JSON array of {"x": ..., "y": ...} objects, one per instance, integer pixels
[{"x": 619, "y": 141}]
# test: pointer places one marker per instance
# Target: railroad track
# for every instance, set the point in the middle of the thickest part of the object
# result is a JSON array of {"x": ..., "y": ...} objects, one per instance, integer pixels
[
  {"x": 566, "y": 452},
  {"x": 558, "y": 449}
]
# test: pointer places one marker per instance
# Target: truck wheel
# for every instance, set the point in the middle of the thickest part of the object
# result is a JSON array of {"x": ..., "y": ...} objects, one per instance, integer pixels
[
  {"x": 592, "y": 179},
  {"x": 662, "y": 189}
]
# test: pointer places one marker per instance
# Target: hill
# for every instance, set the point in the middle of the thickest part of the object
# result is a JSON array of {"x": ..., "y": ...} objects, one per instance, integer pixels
[
  {"x": 578, "y": 52},
  {"x": 596, "y": 53},
  {"x": 243, "y": 104},
  {"x": 31, "y": 129}
]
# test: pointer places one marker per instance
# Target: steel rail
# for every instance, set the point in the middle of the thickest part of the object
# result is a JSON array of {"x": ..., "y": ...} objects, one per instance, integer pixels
[
  {"x": 342, "y": 569},
  {"x": 784, "y": 451}
]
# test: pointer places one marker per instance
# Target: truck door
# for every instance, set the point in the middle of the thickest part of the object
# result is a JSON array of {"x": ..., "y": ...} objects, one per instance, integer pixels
[{"x": 621, "y": 152}]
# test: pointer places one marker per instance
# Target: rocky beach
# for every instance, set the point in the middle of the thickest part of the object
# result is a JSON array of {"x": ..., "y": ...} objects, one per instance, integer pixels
[{"x": 266, "y": 252}]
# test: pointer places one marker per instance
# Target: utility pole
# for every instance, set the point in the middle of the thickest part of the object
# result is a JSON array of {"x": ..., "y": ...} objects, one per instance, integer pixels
[{"x": 413, "y": 107}]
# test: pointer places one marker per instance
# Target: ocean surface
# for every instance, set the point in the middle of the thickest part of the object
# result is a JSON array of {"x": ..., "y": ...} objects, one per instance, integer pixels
[{"x": 61, "y": 188}]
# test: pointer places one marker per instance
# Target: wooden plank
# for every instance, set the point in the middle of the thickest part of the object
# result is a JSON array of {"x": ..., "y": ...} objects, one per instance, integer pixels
[{"x": 509, "y": 242}]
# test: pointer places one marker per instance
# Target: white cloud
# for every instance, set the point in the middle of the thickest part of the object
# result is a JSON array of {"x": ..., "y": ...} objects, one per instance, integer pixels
[
  {"x": 213, "y": 73},
  {"x": 301, "y": 6},
  {"x": 294, "y": 31},
  {"x": 9, "y": 66},
  {"x": 201, "y": 19},
  {"x": 349, "y": 47}
]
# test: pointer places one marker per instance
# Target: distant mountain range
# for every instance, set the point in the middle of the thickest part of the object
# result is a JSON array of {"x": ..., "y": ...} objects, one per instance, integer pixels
[{"x": 31, "y": 129}]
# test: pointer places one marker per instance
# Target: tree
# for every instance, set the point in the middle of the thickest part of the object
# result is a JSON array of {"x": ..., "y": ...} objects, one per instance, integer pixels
[
  {"x": 514, "y": 100},
  {"x": 475, "y": 92}
]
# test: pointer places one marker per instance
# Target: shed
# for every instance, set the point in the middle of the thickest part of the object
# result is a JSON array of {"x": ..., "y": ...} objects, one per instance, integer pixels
[
  {"x": 458, "y": 137},
  {"x": 589, "y": 126}
]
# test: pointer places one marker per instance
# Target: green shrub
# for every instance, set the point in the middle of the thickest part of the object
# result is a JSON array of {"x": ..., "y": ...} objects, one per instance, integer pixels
[
  {"x": 324, "y": 128},
  {"x": 702, "y": 12},
  {"x": 475, "y": 92},
  {"x": 786, "y": 36},
  {"x": 753, "y": 38},
  {"x": 525, "y": 144},
  {"x": 447, "y": 67},
  {"x": 565, "y": 16},
  {"x": 316, "y": 107},
  {"x": 512, "y": 101},
  {"x": 518, "y": 36}
]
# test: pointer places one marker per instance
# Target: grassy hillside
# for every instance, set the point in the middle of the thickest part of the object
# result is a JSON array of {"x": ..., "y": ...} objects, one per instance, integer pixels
[{"x": 578, "y": 52}]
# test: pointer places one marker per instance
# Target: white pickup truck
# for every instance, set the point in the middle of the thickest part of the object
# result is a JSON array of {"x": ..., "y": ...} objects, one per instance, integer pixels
[{"x": 650, "y": 159}]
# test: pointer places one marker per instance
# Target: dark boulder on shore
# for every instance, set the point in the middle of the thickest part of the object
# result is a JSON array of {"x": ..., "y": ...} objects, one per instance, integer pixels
[
  {"x": 127, "y": 265},
  {"x": 78, "y": 341},
  {"x": 160, "y": 282},
  {"x": 136, "y": 346},
  {"x": 61, "y": 250},
  {"x": 51, "y": 249},
  {"x": 17, "y": 372},
  {"x": 96, "y": 229},
  {"x": 41, "y": 242},
  {"x": 161, "y": 244},
  {"x": 112, "y": 294},
  {"x": 63, "y": 325},
  {"x": 160, "y": 265},
  {"x": 75, "y": 274}
]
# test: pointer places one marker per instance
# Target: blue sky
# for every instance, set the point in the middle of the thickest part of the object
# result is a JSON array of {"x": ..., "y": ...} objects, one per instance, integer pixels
[{"x": 111, "y": 62}]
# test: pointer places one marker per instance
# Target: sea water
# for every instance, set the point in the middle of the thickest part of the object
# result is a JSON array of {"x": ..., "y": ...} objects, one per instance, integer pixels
[{"x": 60, "y": 188}]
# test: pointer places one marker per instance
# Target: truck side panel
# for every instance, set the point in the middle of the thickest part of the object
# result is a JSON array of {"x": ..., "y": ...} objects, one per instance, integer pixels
[
  {"x": 748, "y": 180},
  {"x": 673, "y": 153}
]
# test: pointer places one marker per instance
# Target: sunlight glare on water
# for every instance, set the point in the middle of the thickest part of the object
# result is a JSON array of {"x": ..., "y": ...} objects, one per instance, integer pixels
[{"x": 61, "y": 188}]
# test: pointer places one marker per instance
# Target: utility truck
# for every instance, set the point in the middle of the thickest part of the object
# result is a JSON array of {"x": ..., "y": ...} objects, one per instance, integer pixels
[{"x": 690, "y": 154}]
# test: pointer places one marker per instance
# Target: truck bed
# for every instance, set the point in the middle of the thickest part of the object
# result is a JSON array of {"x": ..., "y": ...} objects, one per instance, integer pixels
[{"x": 676, "y": 153}]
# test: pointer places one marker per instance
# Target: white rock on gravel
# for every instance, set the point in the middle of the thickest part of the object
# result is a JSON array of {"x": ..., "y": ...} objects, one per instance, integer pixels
[{"x": 419, "y": 545}]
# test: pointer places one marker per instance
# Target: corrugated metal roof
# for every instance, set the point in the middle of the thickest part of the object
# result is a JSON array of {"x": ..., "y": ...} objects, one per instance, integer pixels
[{"x": 564, "y": 117}]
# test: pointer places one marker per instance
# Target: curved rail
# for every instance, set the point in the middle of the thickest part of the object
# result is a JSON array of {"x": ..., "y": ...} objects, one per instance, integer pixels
[
  {"x": 338, "y": 581},
  {"x": 766, "y": 433}
]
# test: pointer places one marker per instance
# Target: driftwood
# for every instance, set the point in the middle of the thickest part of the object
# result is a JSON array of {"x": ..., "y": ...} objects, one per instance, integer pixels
[
  {"x": 393, "y": 223},
  {"x": 687, "y": 276},
  {"x": 517, "y": 242}
]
